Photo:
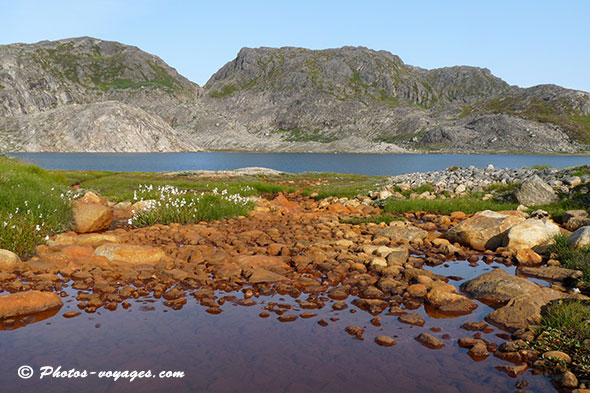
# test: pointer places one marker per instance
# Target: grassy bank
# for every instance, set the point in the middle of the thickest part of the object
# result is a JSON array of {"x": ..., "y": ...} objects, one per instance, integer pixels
[
  {"x": 573, "y": 259},
  {"x": 565, "y": 326},
  {"x": 33, "y": 204},
  {"x": 169, "y": 205},
  {"x": 467, "y": 205}
]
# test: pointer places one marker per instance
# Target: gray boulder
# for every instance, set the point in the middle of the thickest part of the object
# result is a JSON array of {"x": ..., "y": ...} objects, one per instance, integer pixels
[
  {"x": 580, "y": 238},
  {"x": 534, "y": 192},
  {"x": 498, "y": 286}
]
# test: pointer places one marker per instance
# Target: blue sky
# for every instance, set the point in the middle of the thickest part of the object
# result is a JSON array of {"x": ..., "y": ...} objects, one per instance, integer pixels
[{"x": 523, "y": 42}]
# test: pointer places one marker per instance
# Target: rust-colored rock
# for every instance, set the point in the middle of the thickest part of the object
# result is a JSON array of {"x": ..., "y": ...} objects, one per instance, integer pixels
[
  {"x": 91, "y": 217},
  {"x": 430, "y": 341},
  {"x": 132, "y": 254},
  {"x": 29, "y": 302}
]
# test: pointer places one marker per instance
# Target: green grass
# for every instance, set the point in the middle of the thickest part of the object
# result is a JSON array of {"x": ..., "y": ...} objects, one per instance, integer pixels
[
  {"x": 570, "y": 316},
  {"x": 581, "y": 170},
  {"x": 565, "y": 326},
  {"x": 575, "y": 200},
  {"x": 503, "y": 188},
  {"x": 445, "y": 206},
  {"x": 186, "y": 209},
  {"x": 121, "y": 186},
  {"x": 225, "y": 91},
  {"x": 570, "y": 258},
  {"x": 343, "y": 186},
  {"x": 31, "y": 206},
  {"x": 558, "y": 112}
]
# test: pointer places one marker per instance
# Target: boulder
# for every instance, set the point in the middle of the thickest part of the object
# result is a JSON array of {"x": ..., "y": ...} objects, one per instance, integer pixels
[
  {"x": 498, "y": 286},
  {"x": 580, "y": 238},
  {"x": 91, "y": 217},
  {"x": 264, "y": 276},
  {"x": 531, "y": 233},
  {"x": 485, "y": 229},
  {"x": 523, "y": 310},
  {"x": 402, "y": 232},
  {"x": 132, "y": 254},
  {"x": 270, "y": 263},
  {"x": 534, "y": 192},
  {"x": 8, "y": 260},
  {"x": 91, "y": 197},
  {"x": 445, "y": 298},
  {"x": 574, "y": 219},
  {"x": 552, "y": 273},
  {"x": 29, "y": 302}
]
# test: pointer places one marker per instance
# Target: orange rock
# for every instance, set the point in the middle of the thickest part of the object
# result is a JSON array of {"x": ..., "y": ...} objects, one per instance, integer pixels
[
  {"x": 91, "y": 217},
  {"x": 526, "y": 256},
  {"x": 78, "y": 251},
  {"x": 91, "y": 197},
  {"x": 271, "y": 263},
  {"x": 338, "y": 208},
  {"x": 136, "y": 255},
  {"x": 23, "y": 303}
]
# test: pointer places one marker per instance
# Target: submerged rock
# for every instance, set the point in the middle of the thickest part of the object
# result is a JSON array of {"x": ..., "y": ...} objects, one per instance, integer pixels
[
  {"x": 430, "y": 341},
  {"x": 498, "y": 286},
  {"x": 29, "y": 302},
  {"x": 523, "y": 311}
]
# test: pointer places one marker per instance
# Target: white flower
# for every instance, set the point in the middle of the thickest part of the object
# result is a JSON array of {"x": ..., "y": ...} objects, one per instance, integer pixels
[
  {"x": 576, "y": 290},
  {"x": 46, "y": 237},
  {"x": 37, "y": 228}
]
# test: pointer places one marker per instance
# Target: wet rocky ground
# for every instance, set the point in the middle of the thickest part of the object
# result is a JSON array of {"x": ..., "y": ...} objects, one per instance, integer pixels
[{"x": 290, "y": 297}]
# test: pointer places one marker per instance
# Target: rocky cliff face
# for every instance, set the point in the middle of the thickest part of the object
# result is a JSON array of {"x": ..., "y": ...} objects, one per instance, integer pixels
[
  {"x": 76, "y": 94},
  {"x": 300, "y": 95},
  {"x": 50, "y": 91}
]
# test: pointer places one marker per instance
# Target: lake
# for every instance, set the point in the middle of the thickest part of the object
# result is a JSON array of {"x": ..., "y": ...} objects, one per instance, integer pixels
[{"x": 364, "y": 164}]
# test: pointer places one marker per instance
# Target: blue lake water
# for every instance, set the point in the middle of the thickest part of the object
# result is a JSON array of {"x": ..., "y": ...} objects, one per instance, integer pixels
[{"x": 366, "y": 164}]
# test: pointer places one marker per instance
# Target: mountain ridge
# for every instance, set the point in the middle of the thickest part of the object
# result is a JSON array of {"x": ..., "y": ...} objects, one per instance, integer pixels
[{"x": 279, "y": 99}]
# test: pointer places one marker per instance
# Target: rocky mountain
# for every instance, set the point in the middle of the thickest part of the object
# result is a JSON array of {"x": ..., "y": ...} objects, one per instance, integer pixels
[
  {"x": 298, "y": 95},
  {"x": 85, "y": 94}
]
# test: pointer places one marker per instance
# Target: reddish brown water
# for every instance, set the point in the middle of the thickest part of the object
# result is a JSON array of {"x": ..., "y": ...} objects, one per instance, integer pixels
[{"x": 237, "y": 351}]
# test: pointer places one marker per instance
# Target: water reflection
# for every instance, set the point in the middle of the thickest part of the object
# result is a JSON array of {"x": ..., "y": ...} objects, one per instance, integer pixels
[{"x": 238, "y": 351}]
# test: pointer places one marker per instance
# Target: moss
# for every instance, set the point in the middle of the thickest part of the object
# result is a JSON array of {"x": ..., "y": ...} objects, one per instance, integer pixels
[
  {"x": 558, "y": 112},
  {"x": 387, "y": 99},
  {"x": 94, "y": 70},
  {"x": 225, "y": 91}
]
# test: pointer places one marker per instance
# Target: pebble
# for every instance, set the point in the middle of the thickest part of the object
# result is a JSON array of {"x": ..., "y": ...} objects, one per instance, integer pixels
[
  {"x": 385, "y": 341},
  {"x": 430, "y": 341}
]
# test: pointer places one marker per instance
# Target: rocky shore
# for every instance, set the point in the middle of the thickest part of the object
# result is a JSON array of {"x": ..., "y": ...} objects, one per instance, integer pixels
[
  {"x": 460, "y": 180},
  {"x": 307, "y": 249}
]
